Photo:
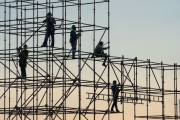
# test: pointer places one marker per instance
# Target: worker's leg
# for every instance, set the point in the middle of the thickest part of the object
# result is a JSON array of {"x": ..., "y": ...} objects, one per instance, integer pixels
[
  {"x": 73, "y": 45},
  {"x": 115, "y": 104},
  {"x": 105, "y": 58},
  {"x": 23, "y": 71},
  {"x": 52, "y": 37},
  {"x": 112, "y": 107},
  {"x": 46, "y": 39}
]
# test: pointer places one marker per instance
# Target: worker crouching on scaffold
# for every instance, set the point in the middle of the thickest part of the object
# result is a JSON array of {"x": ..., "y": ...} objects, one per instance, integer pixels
[{"x": 99, "y": 52}]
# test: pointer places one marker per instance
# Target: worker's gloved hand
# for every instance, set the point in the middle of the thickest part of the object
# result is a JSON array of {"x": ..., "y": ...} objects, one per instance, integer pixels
[
  {"x": 44, "y": 21},
  {"x": 19, "y": 49}
]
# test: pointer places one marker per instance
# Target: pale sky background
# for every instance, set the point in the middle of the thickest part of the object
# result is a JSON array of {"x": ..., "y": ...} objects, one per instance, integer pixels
[{"x": 146, "y": 29}]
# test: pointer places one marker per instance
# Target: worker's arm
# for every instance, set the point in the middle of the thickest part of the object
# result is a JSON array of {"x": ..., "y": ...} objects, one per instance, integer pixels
[
  {"x": 78, "y": 35},
  {"x": 53, "y": 20},
  {"x": 104, "y": 48},
  {"x": 44, "y": 20}
]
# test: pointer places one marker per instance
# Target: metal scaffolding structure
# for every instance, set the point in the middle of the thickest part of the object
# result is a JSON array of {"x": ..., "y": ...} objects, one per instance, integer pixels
[{"x": 58, "y": 87}]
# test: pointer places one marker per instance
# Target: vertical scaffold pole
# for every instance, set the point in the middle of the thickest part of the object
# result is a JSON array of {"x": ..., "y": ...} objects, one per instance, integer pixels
[
  {"x": 23, "y": 42},
  {"x": 21, "y": 45},
  {"x": 79, "y": 56},
  {"x": 9, "y": 60},
  {"x": 49, "y": 71},
  {"x": 33, "y": 60},
  {"x": 94, "y": 63},
  {"x": 147, "y": 98},
  {"x": 149, "y": 81},
  {"x": 162, "y": 77},
  {"x": 64, "y": 48},
  {"x": 175, "y": 92},
  {"x": 51, "y": 84},
  {"x": 37, "y": 60},
  {"x": 135, "y": 87},
  {"x": 122, "y": 87},
  {"x": 149, "y": 87},
  {"x": 64, "y": 35},
  {"x": 179, "y": 109},
  {"x": 5, "y": 59},
  {"x": 108, "y": 58},
  {"x": 17, "y": 42},
  {"x": 47, "y": 75}
]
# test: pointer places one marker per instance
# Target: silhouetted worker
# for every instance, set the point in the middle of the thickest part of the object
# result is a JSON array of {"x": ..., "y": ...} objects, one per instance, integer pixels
[
  {"x": 73, "y": 40},
  {"x": 99, "y": 52},
  {"x": 23, "y": 55},
  {"x": 50, "y": 29},
  {"x": 115, "y": 91}
]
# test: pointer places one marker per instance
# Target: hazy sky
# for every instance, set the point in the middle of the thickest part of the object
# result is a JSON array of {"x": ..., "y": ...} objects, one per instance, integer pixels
[{"x": 146, "y": 29}]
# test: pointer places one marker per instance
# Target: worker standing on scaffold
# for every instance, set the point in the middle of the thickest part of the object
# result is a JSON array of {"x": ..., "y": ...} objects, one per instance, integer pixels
[
  {"x": 23, "y": 55},
  {"x": 115, "y": 91},
  {"x": 50, "y": 29},
  {"x": 99, "y": 52},
  {"x": 73, "y": 40}
]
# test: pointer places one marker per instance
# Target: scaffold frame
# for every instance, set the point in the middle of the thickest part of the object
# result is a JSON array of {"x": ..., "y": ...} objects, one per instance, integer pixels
[{"x": 61, "y": 88}]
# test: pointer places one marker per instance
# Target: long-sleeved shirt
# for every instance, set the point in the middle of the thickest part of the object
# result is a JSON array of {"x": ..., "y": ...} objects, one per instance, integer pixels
[
  {"x": 50, "y": 23},
  {"x": 99, "y": 49},
  {"x": 23, "y": 57},
  {"x": 115, "y": 90},
  {"x": 73, "y": 36}
]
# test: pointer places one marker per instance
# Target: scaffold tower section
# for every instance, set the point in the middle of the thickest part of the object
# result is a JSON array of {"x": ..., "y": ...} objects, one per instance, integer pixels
[{"x": 59, "y": 86}]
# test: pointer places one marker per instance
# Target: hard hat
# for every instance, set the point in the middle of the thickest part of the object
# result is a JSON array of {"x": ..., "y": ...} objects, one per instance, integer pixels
[
  {"x": 73, "y": 27},
  {"x": 114, "y": 81},
  {"x": 101, "y": 43},
  {"x": 48, "y": 14},
  {"x": 25, "y": 46}
]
